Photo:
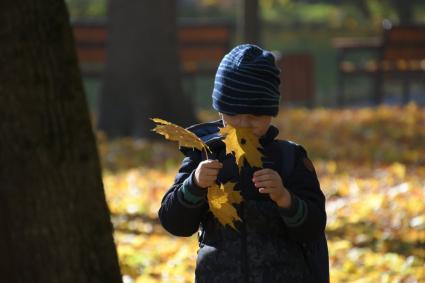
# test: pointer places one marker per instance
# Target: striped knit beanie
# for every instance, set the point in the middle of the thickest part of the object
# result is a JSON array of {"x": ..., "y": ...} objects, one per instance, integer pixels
[{"x": 247, "y": 82}]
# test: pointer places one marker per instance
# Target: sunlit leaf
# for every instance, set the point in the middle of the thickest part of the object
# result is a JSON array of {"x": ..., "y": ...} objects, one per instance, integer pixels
[
  {"x": 174, "y": 132},
  {"x": 221, "y": 199},
  {"x": 243, "y": 144}
]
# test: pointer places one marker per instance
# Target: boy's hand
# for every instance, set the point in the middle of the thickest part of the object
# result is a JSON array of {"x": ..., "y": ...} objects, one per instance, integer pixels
[
  {"x": 206, "y": 172},
  {"x": 269, "y": 182}
]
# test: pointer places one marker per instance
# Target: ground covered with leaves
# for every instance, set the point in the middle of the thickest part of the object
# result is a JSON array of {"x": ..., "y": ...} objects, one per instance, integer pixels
[{"x": 371, "y": 165}]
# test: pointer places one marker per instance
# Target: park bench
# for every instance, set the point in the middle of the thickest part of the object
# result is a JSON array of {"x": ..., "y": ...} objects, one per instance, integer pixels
[
  {"x": 399, "y": 54},
  {"x": 201, "y": 46}
]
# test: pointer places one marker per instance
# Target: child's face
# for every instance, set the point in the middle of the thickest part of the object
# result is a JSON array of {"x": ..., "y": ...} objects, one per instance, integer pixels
[{"x": 258, "y": 124}]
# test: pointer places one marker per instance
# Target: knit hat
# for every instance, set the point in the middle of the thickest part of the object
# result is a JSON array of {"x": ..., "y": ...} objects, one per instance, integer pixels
[{"x": 247, "y": 82}]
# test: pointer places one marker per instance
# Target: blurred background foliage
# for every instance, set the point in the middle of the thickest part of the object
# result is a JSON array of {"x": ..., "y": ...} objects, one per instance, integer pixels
[
  {"x": 337, "y": 14},
  {"x": 287, "y": 26}
]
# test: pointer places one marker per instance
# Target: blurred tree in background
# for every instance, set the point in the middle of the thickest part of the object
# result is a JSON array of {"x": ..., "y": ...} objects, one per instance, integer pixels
[
  {"x": 55, "y": 220},
  {"x": 142, "y": 78},
  {"x": 250, "y": 22}
]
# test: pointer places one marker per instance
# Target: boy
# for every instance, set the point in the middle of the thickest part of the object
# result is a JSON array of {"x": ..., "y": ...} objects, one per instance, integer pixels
[{"x": 278, "y": 212}]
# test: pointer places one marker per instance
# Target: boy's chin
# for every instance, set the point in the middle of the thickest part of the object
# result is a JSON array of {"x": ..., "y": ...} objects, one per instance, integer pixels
[
  {"x": 259, "y": 135},
  {"x": 262, "y": 133}
]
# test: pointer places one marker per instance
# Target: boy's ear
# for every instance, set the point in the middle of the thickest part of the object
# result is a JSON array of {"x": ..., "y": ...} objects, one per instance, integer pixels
[{"x": 222, "y": 119}]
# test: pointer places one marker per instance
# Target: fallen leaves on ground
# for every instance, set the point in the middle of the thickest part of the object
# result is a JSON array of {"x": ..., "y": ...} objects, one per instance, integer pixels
[{"x": 376, "y": 224}]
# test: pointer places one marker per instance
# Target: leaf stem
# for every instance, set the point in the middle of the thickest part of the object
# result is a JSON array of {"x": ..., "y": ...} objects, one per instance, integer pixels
[{"x": 206, "y": 152}]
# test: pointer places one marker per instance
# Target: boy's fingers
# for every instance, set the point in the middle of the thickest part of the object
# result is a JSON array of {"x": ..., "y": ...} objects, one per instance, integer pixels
[
  {"x": 262, "y": 172},
  {"x": 267, "y": 177},
  {"x": 263, "y": 178},
  {"x": 264, "y": 184},
  {"x": 213, "y": 164},
  {"x": 265, "y": 190},
  {"x": 207, "y": 168},
  {"x": 210, "y": 172},
  {"x": 209, "y": 178}
]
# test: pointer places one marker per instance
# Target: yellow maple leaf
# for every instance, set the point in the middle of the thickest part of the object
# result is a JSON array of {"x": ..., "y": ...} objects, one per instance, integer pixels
[
  {"x": 244, "y": 144},
  {"x": 221, "y": 199},
  {"x": 174, "y": 132}
]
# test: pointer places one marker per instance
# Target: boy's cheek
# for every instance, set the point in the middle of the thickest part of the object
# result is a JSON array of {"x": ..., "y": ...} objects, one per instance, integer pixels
[{"x": 259, "y": 132}]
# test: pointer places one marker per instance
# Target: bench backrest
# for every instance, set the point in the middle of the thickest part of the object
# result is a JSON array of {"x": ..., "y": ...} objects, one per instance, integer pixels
[
  {"x": 90, "y": 39},
  {"x": 201, "y": 45},
  {"x": 404, "y": 43}
]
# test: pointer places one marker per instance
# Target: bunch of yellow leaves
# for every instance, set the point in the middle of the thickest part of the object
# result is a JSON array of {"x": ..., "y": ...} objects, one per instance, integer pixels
[{"x": 239, "y": 141}]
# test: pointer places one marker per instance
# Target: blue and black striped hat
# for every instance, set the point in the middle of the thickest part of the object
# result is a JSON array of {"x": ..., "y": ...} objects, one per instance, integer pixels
[{"x": 247, "y": 82}]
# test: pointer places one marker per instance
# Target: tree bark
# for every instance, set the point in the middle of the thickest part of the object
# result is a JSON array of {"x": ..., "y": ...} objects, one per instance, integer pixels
[
  {"x": 142, "y": 77},
  {"x": 55, "y": 224}
]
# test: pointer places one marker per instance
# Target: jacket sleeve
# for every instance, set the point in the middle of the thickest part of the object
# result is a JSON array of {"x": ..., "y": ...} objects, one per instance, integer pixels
[
  {"x": 306, "y": 217},
  {"x": 184, "y": 204}
]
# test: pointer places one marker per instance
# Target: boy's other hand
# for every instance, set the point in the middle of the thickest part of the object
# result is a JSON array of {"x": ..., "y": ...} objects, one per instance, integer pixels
[
  {"x": 206, "y": 172},
  {"x": 269, "y": 182}
]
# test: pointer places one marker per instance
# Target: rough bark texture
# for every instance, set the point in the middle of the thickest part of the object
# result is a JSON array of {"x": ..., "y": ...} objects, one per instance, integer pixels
[
  {"x": 142, "y": 78},
  {"x": 54, "y": 217}
]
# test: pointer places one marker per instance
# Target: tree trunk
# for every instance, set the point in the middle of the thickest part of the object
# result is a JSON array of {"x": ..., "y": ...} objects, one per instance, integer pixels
[
  {"x": 142, "y": 77},
  {"x": 404, "y": 11},
  {"x": 251, "y": 22},
  {"x": 55, "y": 224}
]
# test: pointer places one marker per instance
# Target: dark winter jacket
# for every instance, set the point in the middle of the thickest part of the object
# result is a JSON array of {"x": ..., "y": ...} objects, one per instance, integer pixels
[{"x": 266, "y": 246}]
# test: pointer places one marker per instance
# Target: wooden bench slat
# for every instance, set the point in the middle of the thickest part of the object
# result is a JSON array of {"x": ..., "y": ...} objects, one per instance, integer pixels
[
  {"x": 404, "y": 53},
  {"x": 202, "y": 54},
  {"x": 97, "y": 55},
  {"x": 200, "y": 34},
  {"x": 90, "y": 34}
]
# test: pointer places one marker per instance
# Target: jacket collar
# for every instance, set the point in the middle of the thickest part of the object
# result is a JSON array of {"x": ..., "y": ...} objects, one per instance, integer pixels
[{"x": 269, "y": 136}]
